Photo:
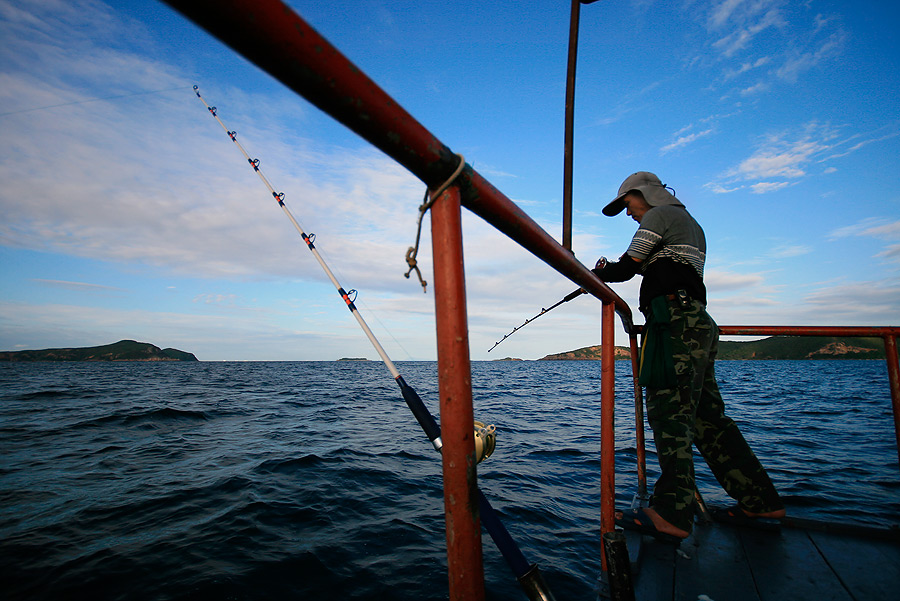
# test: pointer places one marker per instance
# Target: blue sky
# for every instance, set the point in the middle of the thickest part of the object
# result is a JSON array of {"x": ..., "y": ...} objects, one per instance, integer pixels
[{"x": 127, "y": 212}]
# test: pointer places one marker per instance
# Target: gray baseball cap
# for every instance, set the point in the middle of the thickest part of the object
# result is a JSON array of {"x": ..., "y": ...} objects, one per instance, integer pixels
[{"x": 648, "y": 184}]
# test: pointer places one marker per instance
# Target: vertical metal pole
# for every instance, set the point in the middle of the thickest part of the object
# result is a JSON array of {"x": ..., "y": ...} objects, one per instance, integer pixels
[
  {"x": 893, "y": 366},
  {"x": 570, "y": 124},
  {"x": 607, "y": 417},
  {"x": 464, "y": 553},
  {"x": 639, "y": 443}
]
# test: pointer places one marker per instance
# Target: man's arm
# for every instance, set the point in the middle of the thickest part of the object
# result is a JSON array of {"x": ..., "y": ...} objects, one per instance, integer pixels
[{"x": 622, "y": 270}]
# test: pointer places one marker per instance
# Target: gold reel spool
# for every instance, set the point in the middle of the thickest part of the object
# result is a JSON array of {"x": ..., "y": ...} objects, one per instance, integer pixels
[{"x": 485, "y": 440}]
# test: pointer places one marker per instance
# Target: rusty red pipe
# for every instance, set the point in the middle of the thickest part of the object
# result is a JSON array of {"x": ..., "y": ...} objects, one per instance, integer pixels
[
  {"x": 893, "y": 366},
  {"x": 607, "y": 420},
  {"x": 638, "y": 418},
  {"x": 859, "y": 331},
  {"x": 463, "y": 526},
  {"x": 888, "y": 333}
]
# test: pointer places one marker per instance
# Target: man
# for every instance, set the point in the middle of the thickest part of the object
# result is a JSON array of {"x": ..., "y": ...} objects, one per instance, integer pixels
[{"x": 684, "y": 406}]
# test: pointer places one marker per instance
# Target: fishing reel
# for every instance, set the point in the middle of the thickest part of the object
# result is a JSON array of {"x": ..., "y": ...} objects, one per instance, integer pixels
[{"x": 485, "y": 441}]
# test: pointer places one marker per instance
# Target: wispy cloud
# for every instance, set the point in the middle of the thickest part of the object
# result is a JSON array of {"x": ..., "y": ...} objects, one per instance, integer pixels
[
  {"x": 779, "y": 159},
  {"x": 747, "y": 67},
  {"x": 871, "y": 138},
  {"x": 723, "y": 281},
  {"x": 794, "y": 66},
  {"x": 751, "y": 25},
  {"x": 684, "y": 140},
  {"x": 775, "y": 40},
  {"x": 763, "y": 187},
  {"x": 786, "y": 251},
  {"x": 845, "y": 301},
  {"x": 878, "y": 228},
  {"x": 80, "y": 286},
  {"x": 758, "y": 88},
  {"x": 872, "y": 227}
]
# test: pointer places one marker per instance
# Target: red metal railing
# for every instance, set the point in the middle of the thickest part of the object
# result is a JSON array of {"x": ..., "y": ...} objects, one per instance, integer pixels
[
  {"x": 276, "y": 39},
  {"x": 887, "y": 333}
]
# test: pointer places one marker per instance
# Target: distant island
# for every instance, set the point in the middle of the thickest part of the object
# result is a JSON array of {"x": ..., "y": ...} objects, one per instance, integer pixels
[
  {"x": 803, "y": 347},
  {"x": 352, "y": 359},
  {"x": 588, "y": 353},
  {"x": 124, "y": 350},
  {"x": 794, "y": 348}
]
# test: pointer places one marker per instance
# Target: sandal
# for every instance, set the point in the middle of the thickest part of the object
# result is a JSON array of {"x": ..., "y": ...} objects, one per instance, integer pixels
[
  {"x": 638, "y": 521},
  {"x": 736, "y": 516}
]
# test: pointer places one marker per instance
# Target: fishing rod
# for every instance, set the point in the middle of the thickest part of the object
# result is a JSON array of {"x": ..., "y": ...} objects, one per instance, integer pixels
[
  {"x": 601, "y": 263},
  {"x": 528, "y": 575},
  {"x": 568, "y": 297}
]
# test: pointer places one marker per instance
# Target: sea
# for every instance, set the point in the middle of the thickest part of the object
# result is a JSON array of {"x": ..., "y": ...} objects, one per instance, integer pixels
[{"x": 312, "y": 480}]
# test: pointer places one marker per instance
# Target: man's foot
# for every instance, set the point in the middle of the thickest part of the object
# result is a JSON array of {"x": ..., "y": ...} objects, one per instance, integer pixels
[
  {"x": 737, "y": 516},
  {"x": 647, "y": 521},
  {"x": 775, "y": 515}
]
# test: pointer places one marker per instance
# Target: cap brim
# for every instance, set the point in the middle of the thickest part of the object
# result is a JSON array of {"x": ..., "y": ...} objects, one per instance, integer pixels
[{"x": 615, "y": 207}]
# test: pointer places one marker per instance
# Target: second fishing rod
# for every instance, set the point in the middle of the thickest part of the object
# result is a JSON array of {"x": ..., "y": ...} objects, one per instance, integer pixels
[
  {"x": 601, "y": 263},
  {"x": 528, "y": 575}
]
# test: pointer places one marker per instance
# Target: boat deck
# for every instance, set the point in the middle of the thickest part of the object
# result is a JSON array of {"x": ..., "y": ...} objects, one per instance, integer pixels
[{"x": 801, "y": 560}]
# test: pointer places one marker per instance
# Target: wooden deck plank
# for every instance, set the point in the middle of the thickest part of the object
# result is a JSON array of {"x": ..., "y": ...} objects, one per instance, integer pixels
[
  {"x": 870, "y": 569},
  {"x": 655, "y": 576},
  {"x": 726, "y": 563},
  {"x": 787, "y": 565},
  {"x": 712, "y": 563}
]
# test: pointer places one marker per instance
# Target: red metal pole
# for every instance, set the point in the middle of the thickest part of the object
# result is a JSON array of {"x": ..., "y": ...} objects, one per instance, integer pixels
[
  {"x": 893, "y": 366},
  {"x": 463, "y": 525},
  {"x": 638, "y": 419},
  {"x": 860, "y": 331},
  {"x": 570, "y": 125},
  {"x": 607, "y": 419}
]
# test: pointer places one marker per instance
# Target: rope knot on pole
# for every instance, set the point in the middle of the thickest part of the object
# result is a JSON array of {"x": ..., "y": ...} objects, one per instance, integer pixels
[{"x": 427, "y": 201}]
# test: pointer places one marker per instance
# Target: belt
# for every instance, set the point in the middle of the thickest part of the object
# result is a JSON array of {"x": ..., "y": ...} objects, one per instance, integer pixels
[{"x": 681, "y": 297}]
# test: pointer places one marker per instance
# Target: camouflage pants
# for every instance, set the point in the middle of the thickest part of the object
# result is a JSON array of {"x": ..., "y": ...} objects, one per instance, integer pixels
[{"x": 693, "y": 413}]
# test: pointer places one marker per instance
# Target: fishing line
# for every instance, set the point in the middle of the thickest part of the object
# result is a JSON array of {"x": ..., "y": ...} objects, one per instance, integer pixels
[
  {"x": 74, "y": 102},
  {"x": 385, "y": 328},
  {"x": 528, "y": 575}
]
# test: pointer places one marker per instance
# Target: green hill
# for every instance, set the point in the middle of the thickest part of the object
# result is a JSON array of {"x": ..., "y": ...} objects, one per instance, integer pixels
[
  {"x": 803, "y": 347},
  {"x": 588, "y": 353},
  {"x": 776, "y": 347},
  {"x": 124, "y": 350}
]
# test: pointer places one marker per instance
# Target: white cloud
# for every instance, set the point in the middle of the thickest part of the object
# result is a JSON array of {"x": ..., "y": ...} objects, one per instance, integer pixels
[
  {"x": 873, "y": 227},
  {"x": 786, "y": 251},
  {"x": 720, "y": 280},
  {"x": 862, "y": 144},
  {"x": 80, "y": 286},
  {"x": 744, "y": 35},
  {"x": 891, "y": 253},
  {"x": 717, "y": 188},
  {"x": 759, "y": 88},
  {"x": 879, "y": 229},
  {"x": 747, "y": 66},
  {"x": 723, "y": 12},
  {"x": 796, "y": 65},
  {"x": 779, "y": 157},
  {"x": 685, "y": 140},
  {"x": 764, "y": 187},
  {"x": 881, "y": 306}
]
